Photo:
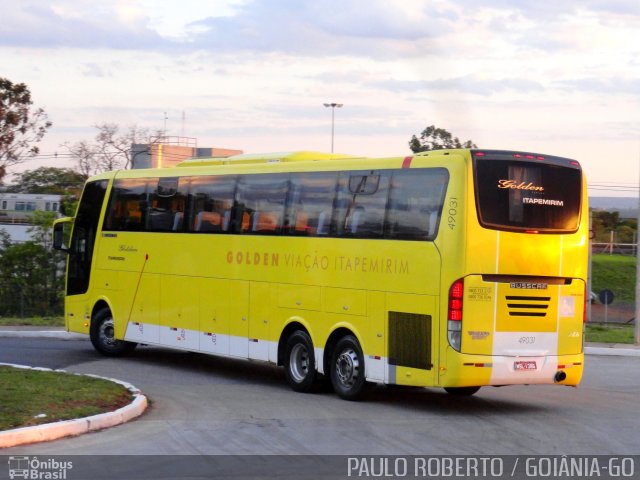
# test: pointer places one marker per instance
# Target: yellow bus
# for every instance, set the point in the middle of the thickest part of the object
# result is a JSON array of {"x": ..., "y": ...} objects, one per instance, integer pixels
[{"x": 450, "y": 268}]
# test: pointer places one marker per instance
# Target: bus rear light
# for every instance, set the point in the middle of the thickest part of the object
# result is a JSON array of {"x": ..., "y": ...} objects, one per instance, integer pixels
[
  {"x": 455, "y": 304},
  {"x": 457, "y": 290},
  {"x": 454, "y": 314},
  {"x": 584, "y": 306},
  {"x": 528, "y": 156},
  {"x": 479, "y": 154}
]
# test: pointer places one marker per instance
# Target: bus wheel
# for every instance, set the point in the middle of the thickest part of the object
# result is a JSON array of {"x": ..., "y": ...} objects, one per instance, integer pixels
[
  {"x": 102, "y": 335},
  {"x": 462, "y": 391},
  {"x": 300, "y": 362},
  {"x": 347, "y": 368}
]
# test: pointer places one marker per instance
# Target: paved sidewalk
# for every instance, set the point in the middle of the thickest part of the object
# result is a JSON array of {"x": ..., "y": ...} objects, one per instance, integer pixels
[
  {"x": 26, "y": 331},
  {"x": 615, "y": 349}
]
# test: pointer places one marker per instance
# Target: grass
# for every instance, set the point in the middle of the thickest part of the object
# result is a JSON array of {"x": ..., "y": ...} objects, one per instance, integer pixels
[
  {"x": 610, "y": 333},
  {"x": 616, "y": 273},
  {"x": 33, "y": 397},
  {"x": 35, "y": 321}
]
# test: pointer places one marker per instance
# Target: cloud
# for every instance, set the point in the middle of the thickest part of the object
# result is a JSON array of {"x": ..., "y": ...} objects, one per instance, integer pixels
[
  {"x": 468, "y": 84},
  {"x": 602, "y": 85},
  {"x": 548, "y": 27},
  {"x": 82, "y": 24},
  {"x": 94, "y": 70},
  {"x": 550, "y": 11},
  {"x": 367, "y": 28},
  {"x": 333, "y": 27},
  {"x": 474, "y": 85},
  {"x": 371, "y": 28}
]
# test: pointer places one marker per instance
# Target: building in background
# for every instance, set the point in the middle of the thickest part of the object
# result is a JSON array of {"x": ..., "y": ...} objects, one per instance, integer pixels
[{"x": 169, "y": 151}]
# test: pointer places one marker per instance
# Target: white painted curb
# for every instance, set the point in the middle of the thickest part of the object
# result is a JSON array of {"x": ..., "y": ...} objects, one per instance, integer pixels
[
  {"x": 60, "y": 334},
  {"x": 618, "y": 352},
  {"x": 78, "y": 426}
]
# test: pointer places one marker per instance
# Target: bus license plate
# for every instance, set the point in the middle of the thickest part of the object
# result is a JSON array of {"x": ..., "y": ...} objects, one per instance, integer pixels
[{"x": 525, "y": 365}]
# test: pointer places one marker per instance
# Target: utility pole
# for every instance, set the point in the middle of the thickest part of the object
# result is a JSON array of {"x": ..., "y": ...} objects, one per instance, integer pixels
[{"x": 637, "y": 327}]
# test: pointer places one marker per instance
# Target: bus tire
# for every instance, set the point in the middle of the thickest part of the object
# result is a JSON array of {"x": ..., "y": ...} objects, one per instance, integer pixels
[
  {"x": 102, "y": 335},
  {"x": 347, "y": 369},
  {"x": 461, "y": 391},
  {"x": 300, "y": 362}
]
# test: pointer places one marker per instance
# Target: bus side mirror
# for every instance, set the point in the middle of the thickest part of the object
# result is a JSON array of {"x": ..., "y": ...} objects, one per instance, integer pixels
[{"x": 59, "y": 234}]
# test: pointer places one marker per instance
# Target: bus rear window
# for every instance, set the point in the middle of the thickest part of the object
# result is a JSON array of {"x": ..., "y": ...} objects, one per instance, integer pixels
[{"x": 527, "y": 196}]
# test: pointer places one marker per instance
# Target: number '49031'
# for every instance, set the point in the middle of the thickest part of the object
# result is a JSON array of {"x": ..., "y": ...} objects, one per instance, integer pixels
[{"x": 452, "y": 213}]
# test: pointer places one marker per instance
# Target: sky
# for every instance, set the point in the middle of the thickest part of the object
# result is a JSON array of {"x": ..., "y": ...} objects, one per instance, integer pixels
[{"x": 559, "y": 77}]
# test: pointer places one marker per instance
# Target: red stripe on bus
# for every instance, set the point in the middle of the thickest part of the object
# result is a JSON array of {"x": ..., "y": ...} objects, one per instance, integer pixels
[{"x": 406, "y": 163}]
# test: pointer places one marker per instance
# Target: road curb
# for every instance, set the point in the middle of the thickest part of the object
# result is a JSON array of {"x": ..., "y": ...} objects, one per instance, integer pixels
[
  {"x": 612, "y": 351},
  {"x": 60, "y": 334},
  {"x": 78, "y": 426}
]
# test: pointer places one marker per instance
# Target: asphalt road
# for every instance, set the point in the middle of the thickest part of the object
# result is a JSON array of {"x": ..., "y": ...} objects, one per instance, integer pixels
[{"x": 208, "y": 405}]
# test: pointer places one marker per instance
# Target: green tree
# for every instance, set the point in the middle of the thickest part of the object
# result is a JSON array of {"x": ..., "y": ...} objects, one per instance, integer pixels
[
  {"x": 41, "y": 228},
  {"x": 625, "y": 234},
  {"x": 433, "y": 138},
  {"x": 603, "y": 223},
  {"x": 21, "y": 125},
  {"x": 31, "y": 273},
  {"x": 27, "y": 287},
  {"x": 52, "y": 180}
]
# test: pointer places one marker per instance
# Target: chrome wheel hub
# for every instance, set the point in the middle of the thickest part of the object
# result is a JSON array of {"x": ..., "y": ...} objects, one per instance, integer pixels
[
  {"x": 107, "y": 332},
  {"x": 348, "y": 367},
  {"x": 299, "y": 363}
]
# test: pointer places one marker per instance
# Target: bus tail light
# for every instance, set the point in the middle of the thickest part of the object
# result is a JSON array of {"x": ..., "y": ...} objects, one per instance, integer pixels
[
  {"x": 454, "y": 314},
  {"x": 584, "y": 306}
]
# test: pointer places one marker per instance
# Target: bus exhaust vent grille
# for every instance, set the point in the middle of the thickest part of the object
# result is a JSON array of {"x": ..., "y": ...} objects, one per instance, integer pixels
[
  {"x": 410, "y": 340},
  {"x": 527, "y": 306}
]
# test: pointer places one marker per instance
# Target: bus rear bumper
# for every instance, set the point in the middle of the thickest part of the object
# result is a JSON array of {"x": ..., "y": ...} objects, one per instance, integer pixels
[{"x": 480, "y": 370}]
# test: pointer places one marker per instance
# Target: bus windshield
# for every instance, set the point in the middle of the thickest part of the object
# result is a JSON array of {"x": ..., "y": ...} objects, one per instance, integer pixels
[{"x": 518, "y": 195}]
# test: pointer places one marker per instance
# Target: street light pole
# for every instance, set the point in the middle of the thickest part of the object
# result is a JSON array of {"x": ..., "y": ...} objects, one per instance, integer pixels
[
  {"x": 333, "y": 110},
  {"x": 164, "y": 131}
]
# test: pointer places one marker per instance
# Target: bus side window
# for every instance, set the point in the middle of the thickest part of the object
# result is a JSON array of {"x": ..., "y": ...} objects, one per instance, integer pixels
[
  {"x": 265, "y": 221},
  {"x": 166, "y": 201},
  {"x": 167, "y": 204},
  {"x": 210, "y": 204},
  {"x": 263, "y": 200},
  {"x": 361, "y": 204},
  {"x": 415, "y": 204},
  {"x": 208, "y": 222},
  {"x": 127, "y": 205},
  {"x": 310, "y": 203},
  {"x": 178, "y": 221}
]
